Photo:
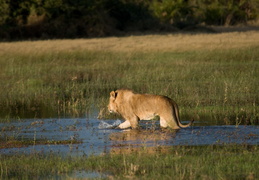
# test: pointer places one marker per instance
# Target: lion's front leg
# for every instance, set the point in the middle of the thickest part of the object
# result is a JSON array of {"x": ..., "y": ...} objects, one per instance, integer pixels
[
  {"x": 134, "y": 122},
  {"x": 124, "y": 125},
  {"x": 131, "y": 121}
]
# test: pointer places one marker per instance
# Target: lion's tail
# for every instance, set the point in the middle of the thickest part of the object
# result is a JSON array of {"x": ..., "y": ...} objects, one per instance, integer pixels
[
  {"x": 178, "y": 119},
  {"x": 185, "y": 125}
]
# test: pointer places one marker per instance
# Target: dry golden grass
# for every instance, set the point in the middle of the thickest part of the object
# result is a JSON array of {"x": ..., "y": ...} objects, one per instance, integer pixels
[{"x": 167, "y": 42}]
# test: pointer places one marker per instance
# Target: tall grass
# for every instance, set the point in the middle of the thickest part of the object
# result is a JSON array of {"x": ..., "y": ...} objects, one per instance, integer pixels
[{"x": 215, "y": 83}]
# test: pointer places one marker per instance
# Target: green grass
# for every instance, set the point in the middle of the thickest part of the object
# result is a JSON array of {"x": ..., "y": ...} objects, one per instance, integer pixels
[
  {"x": 210, "y": 76},
  {"x": 220, "y": 85},
  {"x": 216, "y": 84},
  {"x": 181, "y": 162}
]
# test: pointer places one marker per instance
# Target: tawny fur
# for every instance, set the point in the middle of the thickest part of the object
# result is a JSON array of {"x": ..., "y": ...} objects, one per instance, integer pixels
[{"x": 134, "y": 107}]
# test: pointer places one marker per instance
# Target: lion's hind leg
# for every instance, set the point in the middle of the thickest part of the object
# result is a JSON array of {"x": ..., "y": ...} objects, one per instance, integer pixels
[
  {"x": 169, "y": 122},
  {"x": 163, "y": 123}
]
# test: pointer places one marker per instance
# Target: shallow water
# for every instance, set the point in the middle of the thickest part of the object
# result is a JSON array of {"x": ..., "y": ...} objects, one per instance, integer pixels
[{"x": 97, "y": 141}]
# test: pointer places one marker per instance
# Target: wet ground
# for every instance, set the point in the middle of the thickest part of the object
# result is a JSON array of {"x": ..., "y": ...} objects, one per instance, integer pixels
[{"x": 96, "y": 137}]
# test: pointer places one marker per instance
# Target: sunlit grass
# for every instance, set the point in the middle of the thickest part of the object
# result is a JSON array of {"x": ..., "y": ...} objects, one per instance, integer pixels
[
  {"x": 210, "y": 76},
  {"x": 177, "y": 42},
  {"x": 213, "y": 77}
]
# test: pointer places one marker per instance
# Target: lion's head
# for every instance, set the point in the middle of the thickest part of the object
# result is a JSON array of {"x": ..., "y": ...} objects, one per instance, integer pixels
[{"x": 112, "y": 106}]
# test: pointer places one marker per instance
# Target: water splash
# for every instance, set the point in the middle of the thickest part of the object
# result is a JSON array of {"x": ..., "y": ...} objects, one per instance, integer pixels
[{"x": 105, "y": 125}]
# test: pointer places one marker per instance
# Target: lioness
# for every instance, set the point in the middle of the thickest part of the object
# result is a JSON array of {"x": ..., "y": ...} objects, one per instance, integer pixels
[{"x": 134, "y": 107}]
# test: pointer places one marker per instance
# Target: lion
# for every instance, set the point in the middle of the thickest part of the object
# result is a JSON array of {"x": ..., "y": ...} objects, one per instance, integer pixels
[{"x": 134, "y": 107}]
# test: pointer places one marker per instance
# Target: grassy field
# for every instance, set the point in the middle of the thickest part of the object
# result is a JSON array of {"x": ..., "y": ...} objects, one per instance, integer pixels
[
  {"x": 213, "y": 78},
  {"x": 181, "y": 162},
  {"x": 210, "y": 76}
]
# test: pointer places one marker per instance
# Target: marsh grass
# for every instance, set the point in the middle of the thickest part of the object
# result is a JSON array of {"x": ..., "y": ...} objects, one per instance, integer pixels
[
  {"x": 210, "y": 76},
  {"x": 181, "y": 162},
  {"x": 14, "y": 143}
]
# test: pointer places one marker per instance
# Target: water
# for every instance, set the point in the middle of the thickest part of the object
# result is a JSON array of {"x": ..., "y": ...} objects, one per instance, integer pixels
[
  {"x": 105, "y": 125},
  {"x": 82, "y": 175},
  {"x": 99, "y": 137}
]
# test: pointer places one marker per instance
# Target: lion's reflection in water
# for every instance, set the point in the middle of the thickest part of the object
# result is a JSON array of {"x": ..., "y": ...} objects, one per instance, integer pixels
[{"x": 150, "y": 140}]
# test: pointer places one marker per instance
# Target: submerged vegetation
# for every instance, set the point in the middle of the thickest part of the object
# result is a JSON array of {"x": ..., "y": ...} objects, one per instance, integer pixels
[
  {"x": 14, "y": 143},
  {"x": 181, "y": 162}
]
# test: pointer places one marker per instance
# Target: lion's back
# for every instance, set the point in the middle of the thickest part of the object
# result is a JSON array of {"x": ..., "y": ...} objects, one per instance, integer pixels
[
  {"x": 148, "y": 105},
  {"x": 143, "y": 105}
]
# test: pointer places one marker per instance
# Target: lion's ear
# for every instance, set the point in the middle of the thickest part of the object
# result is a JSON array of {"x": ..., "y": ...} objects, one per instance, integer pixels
[{"x": 113, "y": 94}]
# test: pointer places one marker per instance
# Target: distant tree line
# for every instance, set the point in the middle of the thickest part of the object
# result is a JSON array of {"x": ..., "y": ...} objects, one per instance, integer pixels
[{"x": 21, "y": 19}]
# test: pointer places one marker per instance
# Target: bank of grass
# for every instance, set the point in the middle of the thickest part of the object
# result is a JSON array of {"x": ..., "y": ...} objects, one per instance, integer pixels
[
  {"x": 210, "y": 76},
  {"x": 180, "y": 162}
]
